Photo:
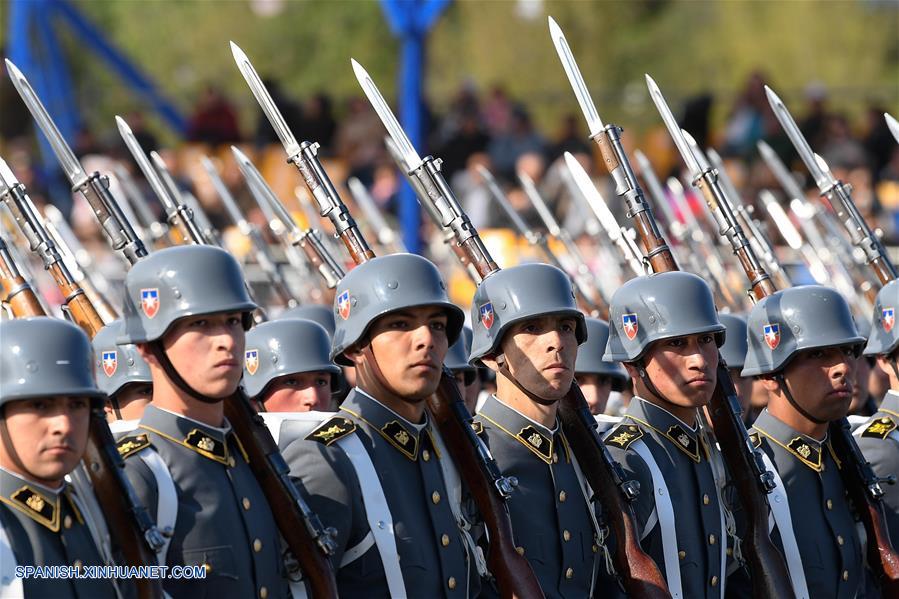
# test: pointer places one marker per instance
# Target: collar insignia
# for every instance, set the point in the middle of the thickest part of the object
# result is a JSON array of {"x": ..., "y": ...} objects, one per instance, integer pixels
[
  {"x": 207, "y": 446},
  {"x": 537, "y": 442},
  {"x": 35, "y": 505},
  {"x": 623, "y": 435},
  {"x": 130, "y": 445},
  {"x": 332, "y": 430},
  {"x": 684, "y": 441},
  {"x": 401, "y": 438},
  {"x": 807, "y": 453},
  {"x": 880, "y": 428}
]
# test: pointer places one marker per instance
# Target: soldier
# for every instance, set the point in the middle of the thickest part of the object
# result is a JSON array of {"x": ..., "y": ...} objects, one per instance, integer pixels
[
  {"x": 287, "y": 368},
  {"x": 378, "y": 471},
  {"x": 666, "y": 332},
  {"x": 47, "y": 391},
  {"x": 596, "y": 377},
  {"x": 466, "y": 374},
  {"x": 878, "y": 437},
  {"x": 187, "y": 310},
  {"x": 123, "y": 375},
  {"x": 733, "y": 352},
  {"x": 323, "y": 315},
  {"x": 527, "y": 329},
  {"x": 802, "y": 346}
]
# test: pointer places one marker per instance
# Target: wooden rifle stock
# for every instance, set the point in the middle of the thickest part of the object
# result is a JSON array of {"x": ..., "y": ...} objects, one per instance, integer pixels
[{"x": 17, "y": 293}]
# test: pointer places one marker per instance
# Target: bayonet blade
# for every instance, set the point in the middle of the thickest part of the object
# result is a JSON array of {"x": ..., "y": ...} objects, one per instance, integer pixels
[
  {"x": 70, "y": 165},
  {"x": 265, "y": 101},
  {"x": 546, "y": 215},
  {"x": 575, "y": 78},
  {"x": 799, "y": 142},
  {"x": 268, "y": 202},
  {"x": 893, "y": 125},
  {"x": 673, "y": 128},
  {"x": 409, "y": 154},
  {"x": 144, "y": 164},
  {"x": 593, "y": 197},
  {"x": 697, "y": 151}
]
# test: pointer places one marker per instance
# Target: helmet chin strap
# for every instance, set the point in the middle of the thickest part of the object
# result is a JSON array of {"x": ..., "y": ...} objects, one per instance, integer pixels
[
  {"x": 503, "y": 368},
  {"x": 779, "y": 377},
  {"x": 159, "y": 353},
  {"x": 381, "y": 380},
  {"x": 650, "y": 386}
]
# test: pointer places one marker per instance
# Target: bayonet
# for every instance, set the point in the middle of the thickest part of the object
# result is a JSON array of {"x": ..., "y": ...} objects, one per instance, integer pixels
[
  {"x": 552, "y": 225},
  {"x": 385, "y": 234},
  {"x": 893, "y": 125},
  {"x": 797, "y": 138},
  {"x": 186, "y": 219},
  {"x": 135, "y": 197},
  {"x": 594, "y": 123}
]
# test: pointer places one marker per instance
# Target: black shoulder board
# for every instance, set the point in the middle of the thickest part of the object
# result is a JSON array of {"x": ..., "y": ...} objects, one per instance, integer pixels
[
  {"x": 623, "y": 435},
  {"x": 477, "y": 426},
  {"x": 331, "y": 430},
  {"x": 131, "y": 444},
  {"x": 880, "y": 428},
  {"x": 755, "y": 439}
]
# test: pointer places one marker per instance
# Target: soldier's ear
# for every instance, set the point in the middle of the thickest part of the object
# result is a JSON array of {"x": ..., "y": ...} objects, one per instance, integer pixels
[
  {"x": 354, "y": 355},
  {"x": 770, "y": 383},
  {"x": 633, "y": 371},
  {"x": 146, "y": 354},
  {"x": 491, "y": 363}
]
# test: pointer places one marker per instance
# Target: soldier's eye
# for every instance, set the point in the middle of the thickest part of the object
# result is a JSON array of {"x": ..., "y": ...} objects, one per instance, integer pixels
[
  {"x": 677, "y": 342},
  {"x": 78, "y": 404},
  {"x": 202, "y": 322},
  {"x": 291, "y": 382},
  {"x": 235, "y": 321},
  {"x": 322, "y": 382},
  {"x": 706, "y": 339},
  {"x": 438, "y": 326}
]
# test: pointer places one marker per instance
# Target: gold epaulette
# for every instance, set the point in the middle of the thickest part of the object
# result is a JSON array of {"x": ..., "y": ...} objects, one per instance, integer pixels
[
  {"x": 623, "y": 435},
  {"x": 331, "y": 430},
  {"x": 131, "y": 444}
]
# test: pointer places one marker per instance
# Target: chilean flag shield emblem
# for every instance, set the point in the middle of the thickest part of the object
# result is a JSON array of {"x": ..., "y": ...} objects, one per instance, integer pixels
[
  {"x": 772, "y": 335},
  {"x": 149, "y": 301},
  {"x": 110, "y": 362},
  {"x": 629, "y": 323},
  {"x": 887, "y": 319},
  {"x": 486, "y": 312},
  {"x": 251, "y": 360},
  {"x": 343, "y": 304}
]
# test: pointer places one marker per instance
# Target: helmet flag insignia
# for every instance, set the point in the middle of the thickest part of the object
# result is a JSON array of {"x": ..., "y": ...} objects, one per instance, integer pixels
[
  {"x": 486, "y": 312},
  {"x": 629, "y": 322},
  {"x": 887, "y": 318},
  {"x": 110, "y": 363},
  {"x": 772, "y": 335},
  {"x": 343, "y": 304},
  {"x": 251, "y": 360},
  {"x": 149, "y": 301}
]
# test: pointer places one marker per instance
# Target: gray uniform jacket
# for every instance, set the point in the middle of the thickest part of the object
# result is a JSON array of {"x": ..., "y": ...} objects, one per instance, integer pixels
[
  {"x": 682, "y": 456},
  {"x": 224, "y": 522},
  {"x": 824, "y": 527},
  {"x": 432, "y": 557},
  {"x": 47, "y": 528},
  {"x": 551, "y": 519},
  {"x": 878, "y": 439}
]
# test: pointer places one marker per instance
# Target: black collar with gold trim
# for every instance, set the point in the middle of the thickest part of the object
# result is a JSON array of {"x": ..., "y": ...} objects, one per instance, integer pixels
[
  {"x": 537, "y": 438},
  {"x": 668, "y": 426},
  {"x": 405, "y": 437},
  {"x": 807, "y": 450},
  {"x": 210, "y": 442},
  {"x": 35, "y": 501}
]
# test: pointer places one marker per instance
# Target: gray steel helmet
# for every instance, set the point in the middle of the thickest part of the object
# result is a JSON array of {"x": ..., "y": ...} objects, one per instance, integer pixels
[
  {"x": 735, "y": 347},
  {"x": 283, "y": 347},
  {"x": 181, "y": 281},
  {"x": 515, "y": 294},
  {"x": 656, "y": 307},
  {"x": 884, "y": 335},
  {"x": 117, "y": 365},
  {"x": 796, "y": 319},
  {"x": 320, "y": 313},
  {"x": 43, "y": 357},
  {"x": 384, "y": 285},
  {"x": 457, "y": 356},
  {"x": 590, "y": 354}
]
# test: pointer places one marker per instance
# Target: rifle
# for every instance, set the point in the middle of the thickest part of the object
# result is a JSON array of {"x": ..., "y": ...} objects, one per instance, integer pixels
[
  {"x": 638, "y": 573},
  {"x": 260, "y": 248},
  {"x": 474, "y": 462},
  {"x": 538, "y": 240},
  {"x": 18, "y": 294},
  {"x": 791, "y": 235},
  {"x": 133, "y": 196},
  {"x": 385, "y": 234},
  {"x": 892, "y": 125},
  {"x": 129, "y": 524},
  {"x": 862, "y": 485}
]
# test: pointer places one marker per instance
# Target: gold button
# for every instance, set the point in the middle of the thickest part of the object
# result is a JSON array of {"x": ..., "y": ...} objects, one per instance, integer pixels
[
  {"x": 705, "y": 500},
  {"x": 263, "y": 592},
  {"x": 829, "y": 504},
  {"x": 67, "y": 522},
  {"x": 520, "y": 550},
  {"x": 444, "y": 540},
  {"x": 595, "y": 549},
  {"x": 246, "y": 503},
  {"x": 729, "y": 552},
  {"x": 451, "y": 583},
  {"x": 566, "y": 535},
  {"x": 839, "y": 540},
  {"x": 563, "y": 496},
  {"x": 425, "y": 455},
  {"x": 78, "y": 564},
  {"x": 681, "y": 554},
  {"x": 208, "y": 568},
  {"x": 257, "y": 545},
  {"x": 845, "y": 574},
  {"x": 711, "y": 539},
  {"x": 231, "y": 463},
  {"x": 555, "y": 458},
  {"x": 435, "y": 497},
  {"x": 714, "y": 581},
  {"x": 569, "y": 573}
]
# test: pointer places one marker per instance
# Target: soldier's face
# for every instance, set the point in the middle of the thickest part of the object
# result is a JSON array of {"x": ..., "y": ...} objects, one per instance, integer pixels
[
  {"x": 300, "y": 392},
  {"x": 410, "y": 346},
  {"x": 208, "y": 352},
  {"x": 596, "y": 389},
  {"x": 821, "y": 381},
  {"x": 541, "y": 353},
  {"x": 49, "y": 435},
  {"x": 683, "y": 369}
]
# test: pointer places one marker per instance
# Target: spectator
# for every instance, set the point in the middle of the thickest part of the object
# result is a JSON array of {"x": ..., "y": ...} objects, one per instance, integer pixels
[
  {"x": 572, "y": 137},
  {"x": 745, "y": 125},
  {"x": 468, "y": 139},
  {"x": 318, "y": 122},
  {"x": 214, "y": 120},
  {"x": 290, "y": 110},
  {"x": 360, "y": 139},
  {"x": 521, "y": 138},
  {"x": 498, "y": 111}
]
